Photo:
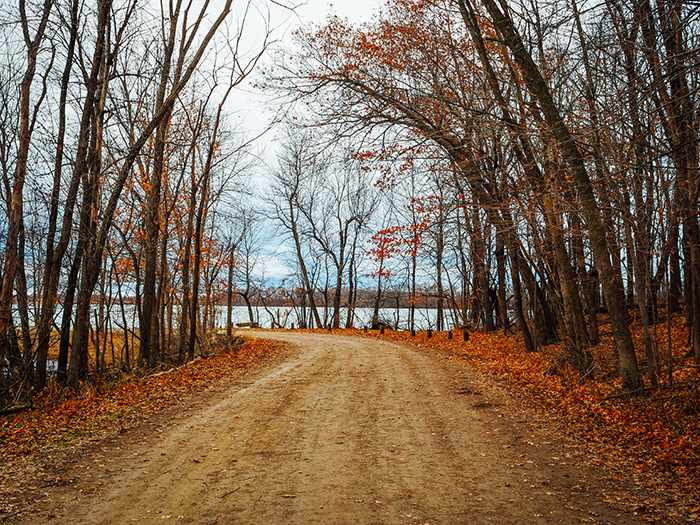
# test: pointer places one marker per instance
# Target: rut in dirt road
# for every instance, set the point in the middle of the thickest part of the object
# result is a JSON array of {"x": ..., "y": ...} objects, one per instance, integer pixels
[{"x": 349, "y": 430}]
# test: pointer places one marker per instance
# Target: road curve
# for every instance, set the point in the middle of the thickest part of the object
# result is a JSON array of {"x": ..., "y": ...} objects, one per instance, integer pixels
[{"x": 349, "y": 430}]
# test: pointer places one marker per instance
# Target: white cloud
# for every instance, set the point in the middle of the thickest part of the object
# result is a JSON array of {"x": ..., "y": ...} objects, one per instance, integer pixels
[{"x": 273, "y": 267}]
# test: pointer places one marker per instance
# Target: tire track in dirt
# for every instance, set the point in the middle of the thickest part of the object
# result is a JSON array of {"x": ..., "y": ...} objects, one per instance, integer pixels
[{"x": 349, "y": 430}]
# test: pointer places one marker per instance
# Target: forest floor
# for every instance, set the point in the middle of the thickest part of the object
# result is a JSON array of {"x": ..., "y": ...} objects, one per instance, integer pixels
[{"x": 328, "y": 428}]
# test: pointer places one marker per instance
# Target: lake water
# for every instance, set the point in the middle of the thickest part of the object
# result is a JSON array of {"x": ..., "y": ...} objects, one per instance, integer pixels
[{"x": 425, "y": 318}]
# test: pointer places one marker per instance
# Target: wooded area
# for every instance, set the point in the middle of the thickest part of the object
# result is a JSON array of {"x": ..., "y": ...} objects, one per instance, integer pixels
[
  {"x": 114, "y": 162},
  {"x": 524, "y": 165},
  {"x": 549, "y": 153}
]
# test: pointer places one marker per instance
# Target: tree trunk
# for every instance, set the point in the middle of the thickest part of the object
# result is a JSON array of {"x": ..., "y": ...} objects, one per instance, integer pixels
[
  {"x": 439, "y": 249},
  {"x": 229, "y": 295},
  {"x": 185, "y": 319},
  {"x": 518, "y": 302},
  {"x": 197, "y": 264},
  {"x": 481, "y": 280},
  {"x": 504, "y": 320},
  {"x": 148, "y": 350},
  {"x": 588, "y": 282},
  {"x": 54, "y": 254},
  {"x": 377, "y": 298},
  {"x": 302, "y": 267},
  {"x": 23, "y": 306}
]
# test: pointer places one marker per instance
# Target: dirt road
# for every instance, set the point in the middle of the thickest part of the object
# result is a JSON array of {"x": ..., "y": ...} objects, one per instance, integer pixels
[{"x": 347, "y": 431}]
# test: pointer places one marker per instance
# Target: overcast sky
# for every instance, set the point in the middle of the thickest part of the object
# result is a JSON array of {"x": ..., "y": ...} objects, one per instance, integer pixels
[
  {"x": 251, "y": 111},
  {"x": 249, "y": 107}
]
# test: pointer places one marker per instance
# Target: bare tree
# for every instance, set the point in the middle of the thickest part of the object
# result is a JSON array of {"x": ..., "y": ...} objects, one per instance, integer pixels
[{"x": 296, "y": 165}]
